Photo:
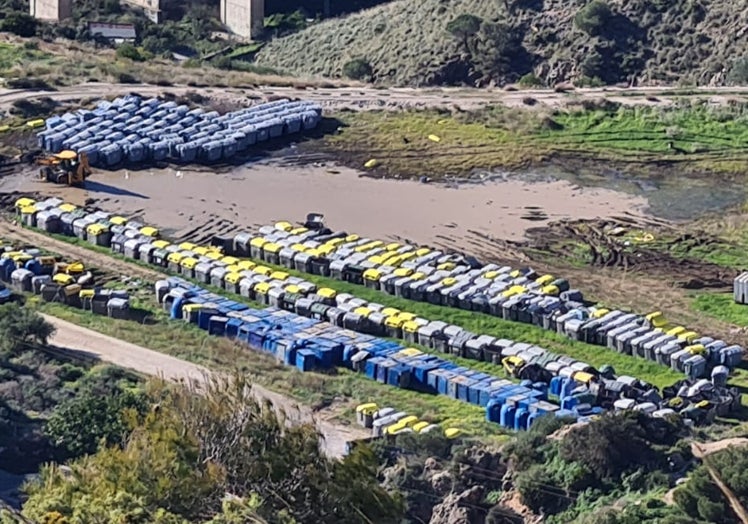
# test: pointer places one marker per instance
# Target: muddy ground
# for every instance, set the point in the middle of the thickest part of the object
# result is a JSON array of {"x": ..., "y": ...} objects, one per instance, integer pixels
[
  {"x": 604, "y": 248},
  {"x": 588, "y": 235}
]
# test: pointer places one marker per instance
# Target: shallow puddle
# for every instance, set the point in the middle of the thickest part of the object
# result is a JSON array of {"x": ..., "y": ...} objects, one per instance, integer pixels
[{"x": 670, "y": 198}]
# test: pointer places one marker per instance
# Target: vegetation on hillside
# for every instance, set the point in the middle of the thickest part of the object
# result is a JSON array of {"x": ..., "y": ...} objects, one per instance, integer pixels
[
  {"x": 219, "y": 457},
  {"x": 473, "y": 42},
  {"x": 702, "y": 499},
  {"x": 211, "y": 457},
  {"x": 36, "y": 390}
]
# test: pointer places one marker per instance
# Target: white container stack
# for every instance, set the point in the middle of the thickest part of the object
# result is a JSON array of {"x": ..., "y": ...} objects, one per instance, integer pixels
[{"x": 132, "y": 130}]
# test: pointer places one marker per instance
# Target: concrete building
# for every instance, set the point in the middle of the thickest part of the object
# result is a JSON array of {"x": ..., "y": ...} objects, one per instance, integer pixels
[
  {"x": 53, "y": 10},
  {"x": 244, "y": 18},
  {"x": 152, "y": 8}
]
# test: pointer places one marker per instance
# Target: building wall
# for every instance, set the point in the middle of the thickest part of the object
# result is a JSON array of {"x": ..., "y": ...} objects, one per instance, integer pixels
[
  {"x": 152, "y": 8},
  {"x": 51, "y": 9},
  {"x": 243, "y": 17},
  {"x": 145, "y": 4}
]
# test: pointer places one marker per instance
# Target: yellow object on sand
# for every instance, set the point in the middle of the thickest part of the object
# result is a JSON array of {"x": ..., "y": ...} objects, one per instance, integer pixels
[
  {"x": 371, "y": 163},
  {"x": 434, "y": 138}
]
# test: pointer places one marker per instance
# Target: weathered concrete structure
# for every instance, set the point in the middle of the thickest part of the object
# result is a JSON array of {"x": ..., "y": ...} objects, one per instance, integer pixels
[
  {"x": 153, "y": 8},
  {"x": 244, "y": 18},
  {"x": 54, "y": 10}
]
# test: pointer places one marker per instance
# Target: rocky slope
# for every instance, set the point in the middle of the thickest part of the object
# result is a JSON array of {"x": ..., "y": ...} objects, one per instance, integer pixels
[{"x": 638, "y": 41}]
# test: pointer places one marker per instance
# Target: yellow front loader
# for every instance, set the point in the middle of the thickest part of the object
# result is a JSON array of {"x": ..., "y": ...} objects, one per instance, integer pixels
[{"x": 66, "y": 167}]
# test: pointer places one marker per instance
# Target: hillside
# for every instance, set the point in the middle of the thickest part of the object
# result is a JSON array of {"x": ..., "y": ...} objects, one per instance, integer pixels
[{"x": 407, "y": 43}]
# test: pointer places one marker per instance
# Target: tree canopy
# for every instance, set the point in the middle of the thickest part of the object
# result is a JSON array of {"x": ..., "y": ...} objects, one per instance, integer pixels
[
  {"x": 190, "y": 450},
  {"x": 21, "y": 327}
]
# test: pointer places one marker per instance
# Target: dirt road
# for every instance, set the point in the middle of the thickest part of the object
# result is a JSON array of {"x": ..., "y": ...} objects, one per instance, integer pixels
[
  {"x": 703, "y": 449},
  {"x": 78, "y": 340},
  {"x": 363, "y": 98}
]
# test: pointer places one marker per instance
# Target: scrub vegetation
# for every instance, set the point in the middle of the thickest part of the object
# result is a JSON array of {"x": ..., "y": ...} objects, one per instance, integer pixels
[
  {"x": 436, "y": 42},
  {"x": 41, "y": 392},
  {"x": 691, "y": 136}
]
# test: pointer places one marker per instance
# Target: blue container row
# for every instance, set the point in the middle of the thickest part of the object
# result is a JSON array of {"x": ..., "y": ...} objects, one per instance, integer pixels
[
  {"x": 311, "y": 344},
  {"x": 133, "y": 130}
]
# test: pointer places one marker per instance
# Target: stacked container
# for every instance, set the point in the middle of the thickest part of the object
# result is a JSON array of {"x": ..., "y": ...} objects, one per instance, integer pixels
[{"x": 132, "y": 130}]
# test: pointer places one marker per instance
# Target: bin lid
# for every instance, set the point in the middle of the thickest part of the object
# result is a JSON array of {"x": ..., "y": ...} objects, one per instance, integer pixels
[{"x": 24, "y": 202}]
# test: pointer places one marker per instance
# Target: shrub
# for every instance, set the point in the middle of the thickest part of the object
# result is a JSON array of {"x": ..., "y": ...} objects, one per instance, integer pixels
[
  {"x": 222, "y": 62},
  {"x": 130, "y": 52},
  {"x": 739, "y": 72},
  {"x": 610, "y": 446},
  {"x": 358, "y": 69},
  {"x": 69, "y": 372},
  {"x": 594, "y": 65},
  {"x": 464, "y": 26},
  {"x": 537, "y": 494},
  {"x": 530, "y": 80},
  {"x": 496, "y": 50},
  {"x": 112, "y": 7},
  {"x": 593, "y": 17},
  {"x": 589, "y": 81},
  {"x": 29, "y": 83},
  {"x": 126, "y": 78},
  {"x": 191, "y": 63},
  {"x": 20, "y": 24}
]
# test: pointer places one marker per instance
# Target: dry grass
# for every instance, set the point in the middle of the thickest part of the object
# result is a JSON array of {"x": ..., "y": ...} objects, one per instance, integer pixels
[
  {"x": 65, "y": 63},
  {"x": 416, "y": 41}
]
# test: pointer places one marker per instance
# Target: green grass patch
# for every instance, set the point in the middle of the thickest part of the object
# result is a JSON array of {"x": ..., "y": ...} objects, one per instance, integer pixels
[
  {"x": 13, "y": 55},
  {"x": 721, "y": 306},
  {"x": 722, "y": 253},
  {"x": 643, "y": 129},
  {"x": 709, "y": 138}
]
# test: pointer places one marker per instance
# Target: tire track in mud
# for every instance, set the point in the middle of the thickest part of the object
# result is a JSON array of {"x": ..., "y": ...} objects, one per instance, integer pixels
[{"x": 604, "y": 248}]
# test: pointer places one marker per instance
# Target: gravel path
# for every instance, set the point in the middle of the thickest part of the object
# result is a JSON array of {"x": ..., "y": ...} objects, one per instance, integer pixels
[{"x": 363, "y": 98}]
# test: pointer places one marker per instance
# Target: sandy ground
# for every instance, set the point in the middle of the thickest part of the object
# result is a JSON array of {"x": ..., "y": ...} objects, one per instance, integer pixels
[
  {"x": 74, "y": 338},
  {"x": 460, "y": 217}
]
